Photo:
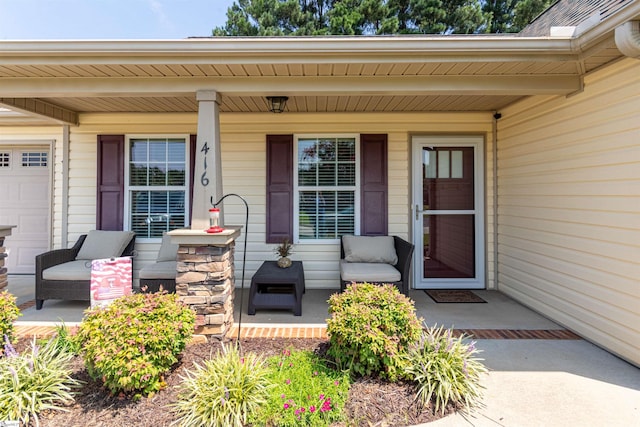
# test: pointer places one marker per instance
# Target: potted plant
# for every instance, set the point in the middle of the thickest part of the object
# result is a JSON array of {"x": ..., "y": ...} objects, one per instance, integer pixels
[{"x": 283, "y": 250}]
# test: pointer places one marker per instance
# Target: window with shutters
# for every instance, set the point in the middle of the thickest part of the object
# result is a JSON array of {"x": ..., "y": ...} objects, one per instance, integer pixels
[
  {"x": 326, "y": 182},
  {"x": 157, "y": 184}
]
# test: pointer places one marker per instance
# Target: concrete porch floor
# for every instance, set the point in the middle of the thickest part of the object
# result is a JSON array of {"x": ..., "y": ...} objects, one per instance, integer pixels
[
  {"x": 531, "y": 382},
  {"x": 500, "y": 312}
]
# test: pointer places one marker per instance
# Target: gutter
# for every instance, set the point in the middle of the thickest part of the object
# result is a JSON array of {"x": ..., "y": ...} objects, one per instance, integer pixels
[
  {"x": 597, "y": 29},
  {"x": 287, "y": 49}
]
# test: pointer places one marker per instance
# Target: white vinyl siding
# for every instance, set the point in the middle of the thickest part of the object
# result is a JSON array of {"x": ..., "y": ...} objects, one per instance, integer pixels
[
  {"x": 243, "y": 147},
  {"x": 569, "y": 207}
]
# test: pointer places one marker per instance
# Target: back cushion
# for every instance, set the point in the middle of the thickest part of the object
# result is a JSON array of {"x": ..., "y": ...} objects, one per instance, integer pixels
[
  {"x": 168, "y": 251},
  {"x": 104, "y": 244},
  {"x": 369, "y": 249}
]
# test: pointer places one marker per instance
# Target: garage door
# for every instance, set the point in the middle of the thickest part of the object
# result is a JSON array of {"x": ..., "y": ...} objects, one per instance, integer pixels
[{"x": 24, "y": 202}]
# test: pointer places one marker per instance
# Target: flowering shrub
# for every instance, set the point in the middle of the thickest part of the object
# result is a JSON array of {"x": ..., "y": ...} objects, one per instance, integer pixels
[
  {"x": 370, "y": 329},
  {"x": 37, "y": 379},
  {"x": 224, "y": 392},
  {"x": 131, "y": 343},
  {"x": 306, "y": 392},
  {"x": 445, "y": 368},
  {"x": 9, "y": 312}
]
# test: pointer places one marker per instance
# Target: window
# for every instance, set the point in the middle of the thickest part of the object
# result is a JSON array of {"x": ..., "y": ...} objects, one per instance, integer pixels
[
  {"x": 157, "y": 185},
  {"x": 5, "y": 159},
  {"x": 326, "y": 179},
  {"x": 443, "y": 163},
  {"x": 34, "y": 159}
]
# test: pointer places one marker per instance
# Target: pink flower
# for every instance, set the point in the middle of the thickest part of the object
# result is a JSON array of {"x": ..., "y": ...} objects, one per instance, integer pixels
[
  {"x": 336, "y": 383},
  {"x": 282, "y": 396},
  {"x": 287, "y": 382},
  {"x": 312, "y": 409},
  {"x": 286, "y": 406},
  {"x": 321, "y": 397},
  {"x": 315, "y": 373}
]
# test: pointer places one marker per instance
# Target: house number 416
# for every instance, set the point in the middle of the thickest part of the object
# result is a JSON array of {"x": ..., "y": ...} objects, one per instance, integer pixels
[{"x": 203, "y": 179}]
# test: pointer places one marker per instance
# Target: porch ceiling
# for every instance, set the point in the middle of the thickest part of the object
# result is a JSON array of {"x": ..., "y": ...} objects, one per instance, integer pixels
[{"x": 59, "y": 80}]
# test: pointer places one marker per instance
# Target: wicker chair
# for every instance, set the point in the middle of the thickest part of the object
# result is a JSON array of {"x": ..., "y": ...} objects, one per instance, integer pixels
[
  {"x": 77, "y": 286},
  {"x": 366, "y": 271}
]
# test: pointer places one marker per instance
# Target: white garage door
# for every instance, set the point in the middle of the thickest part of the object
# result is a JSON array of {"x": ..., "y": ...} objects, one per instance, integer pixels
[{"x": 24, "y": 202}]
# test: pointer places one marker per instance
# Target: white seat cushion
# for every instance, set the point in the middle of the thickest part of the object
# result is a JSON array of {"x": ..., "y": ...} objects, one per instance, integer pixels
[
  {"x": 101, "y": 244},
  {"x": 73, "y": 270},
  {"x": 368, "y": 272},
  {"x": 160, "y": 270},
  {"x": 369, "y": 249}
]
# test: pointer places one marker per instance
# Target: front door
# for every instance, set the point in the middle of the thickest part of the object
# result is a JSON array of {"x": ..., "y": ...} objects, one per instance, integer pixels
[{"x": 448, "y": 212}]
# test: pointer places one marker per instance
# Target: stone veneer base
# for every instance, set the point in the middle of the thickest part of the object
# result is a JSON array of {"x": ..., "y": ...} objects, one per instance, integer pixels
[{"x": 205, "y": 278}]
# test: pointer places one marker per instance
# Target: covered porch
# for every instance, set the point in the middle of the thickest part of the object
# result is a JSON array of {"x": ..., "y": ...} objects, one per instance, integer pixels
[{"x": 552, "y": 220}]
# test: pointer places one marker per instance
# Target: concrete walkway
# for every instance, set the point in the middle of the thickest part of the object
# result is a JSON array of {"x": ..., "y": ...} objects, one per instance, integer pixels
[
  {"x": 533, "y": 380},
  {"x": 555, "y": 384}
]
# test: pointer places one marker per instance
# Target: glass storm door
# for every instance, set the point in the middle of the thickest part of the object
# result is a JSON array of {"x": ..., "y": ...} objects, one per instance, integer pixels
[{"x": 448, "y": 212}]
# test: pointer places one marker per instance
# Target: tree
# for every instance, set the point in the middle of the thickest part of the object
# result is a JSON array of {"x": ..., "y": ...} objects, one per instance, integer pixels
[
  {"x": 465, "y": 17},
  {"x": 356, "y": 17},
  {"x": 526, "y": 11},
  {"x": 501, "y": 12}
]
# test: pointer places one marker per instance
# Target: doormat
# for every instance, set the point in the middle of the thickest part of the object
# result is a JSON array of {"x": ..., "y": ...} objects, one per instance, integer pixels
[{"x": 453, "y": 296}]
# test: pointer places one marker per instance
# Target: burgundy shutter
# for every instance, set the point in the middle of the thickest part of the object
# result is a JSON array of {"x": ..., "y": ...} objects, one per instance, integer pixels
[
  {"x": 110, "y": 185},
  {"x": 373, "y": 185},
  {"x": 192, "y": 171},
  {"x": 279, "y": 219}
]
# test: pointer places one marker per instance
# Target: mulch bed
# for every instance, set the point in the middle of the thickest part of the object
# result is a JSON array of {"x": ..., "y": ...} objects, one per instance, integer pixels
[{"x": 371, "y": 402}]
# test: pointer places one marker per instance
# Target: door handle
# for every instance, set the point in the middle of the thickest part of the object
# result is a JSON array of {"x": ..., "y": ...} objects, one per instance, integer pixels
[{"x": 418, "y": 212}]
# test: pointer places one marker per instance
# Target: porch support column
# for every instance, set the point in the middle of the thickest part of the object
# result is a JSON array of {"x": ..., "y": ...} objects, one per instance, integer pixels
[{"x": 208, "y": 168}]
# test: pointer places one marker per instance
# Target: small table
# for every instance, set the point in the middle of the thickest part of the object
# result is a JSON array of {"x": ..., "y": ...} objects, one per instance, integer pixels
[{"x": 269, "y": 275}]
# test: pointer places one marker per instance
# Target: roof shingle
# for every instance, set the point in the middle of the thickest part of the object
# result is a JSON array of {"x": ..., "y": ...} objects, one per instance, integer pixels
[{"x": 570, "y": 13}]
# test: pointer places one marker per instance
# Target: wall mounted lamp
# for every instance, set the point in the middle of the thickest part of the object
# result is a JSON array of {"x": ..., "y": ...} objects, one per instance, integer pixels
[{"x": 277, "y": 103}]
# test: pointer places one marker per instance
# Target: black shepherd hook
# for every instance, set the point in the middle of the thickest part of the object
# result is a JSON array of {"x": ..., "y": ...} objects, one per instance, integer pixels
[{"x": 244, "y": 253}]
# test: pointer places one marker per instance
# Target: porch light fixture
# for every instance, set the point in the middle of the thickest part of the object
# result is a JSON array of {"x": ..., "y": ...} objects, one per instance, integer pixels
[{"x": 277, "y": 103}]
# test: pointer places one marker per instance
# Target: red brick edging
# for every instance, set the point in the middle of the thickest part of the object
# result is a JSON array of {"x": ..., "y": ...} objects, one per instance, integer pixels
[{"x": 321, "y": 333}]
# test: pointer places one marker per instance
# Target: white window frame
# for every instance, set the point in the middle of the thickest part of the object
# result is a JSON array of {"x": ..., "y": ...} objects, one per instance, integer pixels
[
  {"x": 296, "y": 189},
  {"x": 129, "y": 188}
]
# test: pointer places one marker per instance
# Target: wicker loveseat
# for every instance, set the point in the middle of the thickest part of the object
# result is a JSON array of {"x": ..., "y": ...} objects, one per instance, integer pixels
[
  {"x": 66, "y": 273},
  {"x": 375, "y": 259}
]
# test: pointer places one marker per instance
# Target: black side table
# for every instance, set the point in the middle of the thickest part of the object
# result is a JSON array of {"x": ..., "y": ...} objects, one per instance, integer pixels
[{"x": 269, "y": 275}]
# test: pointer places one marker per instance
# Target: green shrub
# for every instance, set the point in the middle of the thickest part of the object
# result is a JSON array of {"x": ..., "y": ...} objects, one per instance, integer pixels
[
  {"x": 445, "y": 369},
  {"x": 225, "y": 391},
  {"x": 36, "y": 380},
  {"x": 9, "y": 312},
  {"x": 306, "y": 393},
  {"x": 370, "y": 329},
  {"x": 131, "y": 343}
]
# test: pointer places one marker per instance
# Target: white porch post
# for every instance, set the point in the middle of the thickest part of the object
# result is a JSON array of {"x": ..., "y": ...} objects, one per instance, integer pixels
[{"x": 208, "y": 167}]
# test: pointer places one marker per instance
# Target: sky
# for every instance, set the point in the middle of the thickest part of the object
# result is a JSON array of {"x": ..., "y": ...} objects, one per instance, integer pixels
[{"x": 109, "y": 19}]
